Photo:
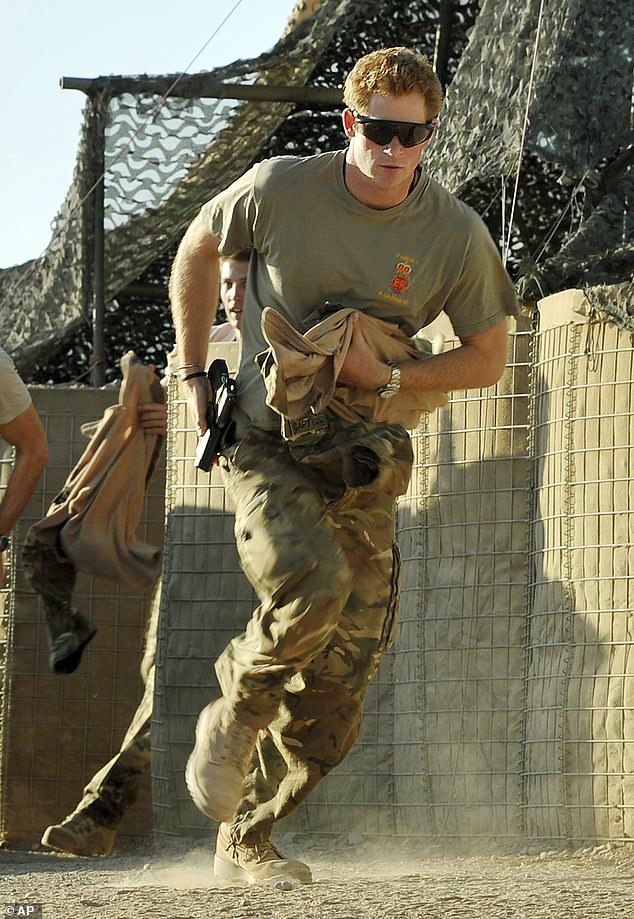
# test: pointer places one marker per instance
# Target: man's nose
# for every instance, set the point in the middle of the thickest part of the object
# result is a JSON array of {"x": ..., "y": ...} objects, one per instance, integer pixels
[{"x": 394, "y": 146}]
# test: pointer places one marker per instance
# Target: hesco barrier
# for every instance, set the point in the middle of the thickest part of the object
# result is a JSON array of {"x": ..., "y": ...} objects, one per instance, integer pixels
[
  {"x": 504, "y": 710},
  {"x": 579, "y": 661}
]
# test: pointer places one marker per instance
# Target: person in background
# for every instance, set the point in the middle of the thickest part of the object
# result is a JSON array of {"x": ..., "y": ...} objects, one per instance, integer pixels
[
  {"x": 233, "y": 284},
  {"x": 367, "y": 232},
  {"x": 91, "y": 828},
  {"x": 21, "y": 427}
]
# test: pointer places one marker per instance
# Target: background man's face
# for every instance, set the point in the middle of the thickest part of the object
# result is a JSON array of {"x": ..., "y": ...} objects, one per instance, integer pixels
[{"x": 233, "y": 282}]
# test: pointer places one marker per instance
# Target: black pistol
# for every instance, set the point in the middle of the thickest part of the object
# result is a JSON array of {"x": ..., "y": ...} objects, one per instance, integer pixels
[{"x": 223, "y": 398}]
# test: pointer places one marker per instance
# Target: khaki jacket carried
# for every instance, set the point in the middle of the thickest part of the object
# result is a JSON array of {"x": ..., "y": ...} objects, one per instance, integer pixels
[
  {"x": 94, "y": 518},
  {"x": 300, "y": 370}
]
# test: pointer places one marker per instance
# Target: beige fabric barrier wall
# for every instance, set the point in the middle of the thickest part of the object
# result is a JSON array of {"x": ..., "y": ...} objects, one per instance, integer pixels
[
  {"x": 463, "y": 527},
  {"x": 504, "y": 711},
  {"x": 579, "y": 734}
]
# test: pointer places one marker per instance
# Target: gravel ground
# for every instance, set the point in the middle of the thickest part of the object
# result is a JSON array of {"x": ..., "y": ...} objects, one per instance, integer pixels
[{"x": 359, "y": 881}]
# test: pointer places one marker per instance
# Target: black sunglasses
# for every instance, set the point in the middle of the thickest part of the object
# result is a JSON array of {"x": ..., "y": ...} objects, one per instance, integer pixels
[{"x": 380, "y": 131}]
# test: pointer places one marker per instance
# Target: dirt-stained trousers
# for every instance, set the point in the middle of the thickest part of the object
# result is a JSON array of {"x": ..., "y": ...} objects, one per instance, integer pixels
[
  {"x": 315, "y": 533},
  {"x": 115, "y": 787}
]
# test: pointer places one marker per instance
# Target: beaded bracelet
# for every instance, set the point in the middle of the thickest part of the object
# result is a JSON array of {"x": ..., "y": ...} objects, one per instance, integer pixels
[{"x": 192, "y": 376}]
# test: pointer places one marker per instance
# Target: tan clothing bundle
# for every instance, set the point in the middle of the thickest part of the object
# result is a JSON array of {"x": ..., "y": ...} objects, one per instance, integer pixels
[
  {"x": 300, "y": 370},
  {"x": 94, "y": 518}
]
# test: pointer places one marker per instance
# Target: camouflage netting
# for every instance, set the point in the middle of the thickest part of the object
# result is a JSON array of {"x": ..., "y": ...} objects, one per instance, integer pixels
[
  {"x": 163, "y": 157},
  {"x": 565, "y": 68},
  {"x": 562, "y": 70}
]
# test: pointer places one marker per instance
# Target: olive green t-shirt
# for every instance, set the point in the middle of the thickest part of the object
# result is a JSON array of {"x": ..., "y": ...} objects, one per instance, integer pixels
[{"x": 313, "y": 241}]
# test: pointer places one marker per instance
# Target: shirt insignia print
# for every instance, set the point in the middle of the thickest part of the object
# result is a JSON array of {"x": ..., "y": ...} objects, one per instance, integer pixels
[{"x": 400, "y": 281}]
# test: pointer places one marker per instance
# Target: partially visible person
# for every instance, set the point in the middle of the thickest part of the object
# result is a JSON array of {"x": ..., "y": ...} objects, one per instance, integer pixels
[
  {"x": 20, "y": 426},
  {"x": 92, "y": 827},
  {"x": 91, "y": 523},
  {"x": 233, "y": 285}
]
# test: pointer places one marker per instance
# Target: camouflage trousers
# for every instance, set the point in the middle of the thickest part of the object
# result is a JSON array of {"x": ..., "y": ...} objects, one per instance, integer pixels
[
  {"x": 112, "y": 789},
  {"x": 115, "y": 786},
  {"x": 315, "y": 533},
  {"x": 52, "y": 575}
]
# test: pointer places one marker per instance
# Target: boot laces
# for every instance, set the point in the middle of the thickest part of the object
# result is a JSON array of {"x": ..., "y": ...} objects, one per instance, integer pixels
[{"x": 263, "y": 851}]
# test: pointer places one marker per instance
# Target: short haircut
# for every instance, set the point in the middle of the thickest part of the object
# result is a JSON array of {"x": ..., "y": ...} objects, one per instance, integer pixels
[
  {"x": 392, "y": 72},
  {"x": 242, "y": 256}
]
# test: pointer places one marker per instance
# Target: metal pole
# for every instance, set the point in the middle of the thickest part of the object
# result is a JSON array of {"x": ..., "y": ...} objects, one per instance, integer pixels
[
  {"x": 443, "y": 41},
  {"x": 99, "y": 305},
  {"x": 200, "y": 86},
  {"x": 99, "y": 301}
]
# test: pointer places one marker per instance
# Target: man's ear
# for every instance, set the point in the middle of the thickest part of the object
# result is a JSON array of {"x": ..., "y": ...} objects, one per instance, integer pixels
[{"x": 348, "y": 122}]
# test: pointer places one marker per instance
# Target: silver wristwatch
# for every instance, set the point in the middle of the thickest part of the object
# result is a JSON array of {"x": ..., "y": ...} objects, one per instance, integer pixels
[{"x": 393, "y": 384}]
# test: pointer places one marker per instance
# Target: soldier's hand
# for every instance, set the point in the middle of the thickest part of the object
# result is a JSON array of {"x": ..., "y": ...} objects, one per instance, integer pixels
[
  {"x": 361, "y": 367},
  {"x": 153, "y": 418},
  {"x": 198, "y": 394}
]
